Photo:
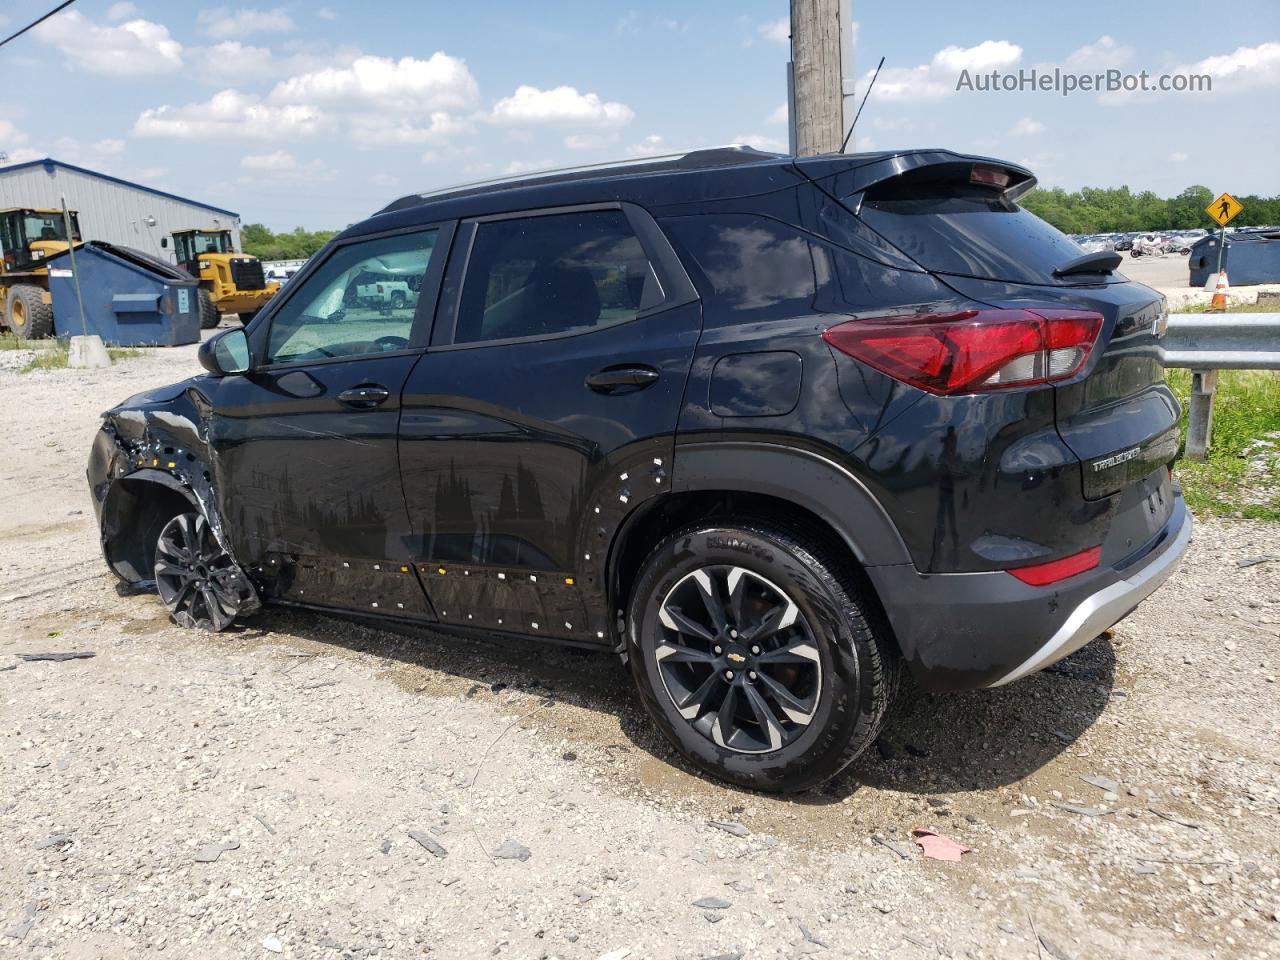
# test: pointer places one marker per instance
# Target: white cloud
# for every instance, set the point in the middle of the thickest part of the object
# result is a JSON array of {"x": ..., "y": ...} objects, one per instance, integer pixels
[
  {"x": 627, "y": 23},
  {"x": 223, "y": 23},
  {"x": 1026, "y": 127},
  {"x": 230, "y": 114},
  {"x": 1104, "y": 54},
  {"x": 776, "y": 31},
  {"x": 234, "y": 62},
  {"x": 327, "y": 13},
  {"x": 133, "y": 48},
  {"x": 440, "y": 82},
  {"x": 779, "y": 114},
  {"x": 119, "y": 11},
  {"x": 384, "y": 180},
  {"x": 937, "y": 78},
  {"x": 108, "y": 148},
  {"x": 560, "y": 105},
  {"x": 651, "y": 146},
  {"x": 10, "y": 135},
  {"x": 374, "y": 128},
  {"x": 279, "y": 160},
  {"x": 1177, "y": 157},
  {"x": 25, "y": 155},
  {"x": 1243, "y": 68},
  {"x": 589, "y": 141},
  {"x": 761, "y": 142}
]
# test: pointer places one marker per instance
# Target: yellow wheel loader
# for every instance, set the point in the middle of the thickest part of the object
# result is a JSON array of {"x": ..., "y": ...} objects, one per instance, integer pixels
[
  {"x": 230, "y": 282},
  {"x": 27, "y": 238}
]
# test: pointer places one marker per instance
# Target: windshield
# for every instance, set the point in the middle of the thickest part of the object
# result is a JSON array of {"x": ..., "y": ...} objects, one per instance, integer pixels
[
  {"x": 971, "y": 232},
  {"x": 211, "y": 243},
  {"x": 44, "y": 226}
]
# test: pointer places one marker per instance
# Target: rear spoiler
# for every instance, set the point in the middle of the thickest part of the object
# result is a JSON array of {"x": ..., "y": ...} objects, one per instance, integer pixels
[{"x": 845, "y": 176}]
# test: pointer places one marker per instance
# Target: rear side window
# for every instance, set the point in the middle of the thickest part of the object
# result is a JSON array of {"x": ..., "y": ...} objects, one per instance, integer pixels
[
  {"x": 755, "y": 265},
  {"x": 970, "y": 231},
  {"x": 550, "y": 275}
]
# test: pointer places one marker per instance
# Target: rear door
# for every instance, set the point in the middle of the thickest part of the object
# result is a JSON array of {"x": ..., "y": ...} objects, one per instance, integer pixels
[
  {"x": 544, "y": 413},
  {"x": 305, "y": 443}
]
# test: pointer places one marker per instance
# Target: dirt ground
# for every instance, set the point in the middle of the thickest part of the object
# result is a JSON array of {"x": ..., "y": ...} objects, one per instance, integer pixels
[{"x": 264, "y": 792}]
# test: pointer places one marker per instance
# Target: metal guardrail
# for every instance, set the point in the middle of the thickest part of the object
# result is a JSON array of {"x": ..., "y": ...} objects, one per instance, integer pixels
[
  {"x": 1205, "y": 343},
  {"x": 1222, "y": 341}
]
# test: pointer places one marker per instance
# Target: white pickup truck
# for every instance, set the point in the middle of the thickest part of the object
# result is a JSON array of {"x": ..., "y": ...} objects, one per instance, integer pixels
[{"x": 384, "y": 293}]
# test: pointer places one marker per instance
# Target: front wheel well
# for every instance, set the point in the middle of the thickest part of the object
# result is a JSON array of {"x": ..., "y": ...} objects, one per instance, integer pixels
[
  {"x": 652, "y": 523},
  {"x": 133, "y": 514}
]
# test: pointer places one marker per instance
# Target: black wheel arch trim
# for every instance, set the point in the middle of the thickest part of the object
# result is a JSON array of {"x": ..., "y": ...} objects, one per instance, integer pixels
[{"x": 822, "y": 486}]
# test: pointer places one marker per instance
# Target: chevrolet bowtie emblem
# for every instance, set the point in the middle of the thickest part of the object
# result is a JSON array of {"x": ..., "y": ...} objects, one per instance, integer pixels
[{"x": 737, "y": 658}]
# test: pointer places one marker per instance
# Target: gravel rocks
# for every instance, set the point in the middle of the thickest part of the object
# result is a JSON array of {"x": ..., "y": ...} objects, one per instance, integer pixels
[{"x": 320, "y": 744}]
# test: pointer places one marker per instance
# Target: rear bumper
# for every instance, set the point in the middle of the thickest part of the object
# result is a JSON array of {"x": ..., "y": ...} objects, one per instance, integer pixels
[{"x": 968, "y": 630}]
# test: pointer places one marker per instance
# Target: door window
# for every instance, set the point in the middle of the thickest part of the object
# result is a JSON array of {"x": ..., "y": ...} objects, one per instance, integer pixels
[
  {"x": 556, "y": 274},
  {"x": 361, "y": 300}
]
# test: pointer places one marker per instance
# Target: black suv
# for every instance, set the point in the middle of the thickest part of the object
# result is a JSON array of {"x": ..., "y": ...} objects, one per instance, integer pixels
[{"x": 767, "y": 427}]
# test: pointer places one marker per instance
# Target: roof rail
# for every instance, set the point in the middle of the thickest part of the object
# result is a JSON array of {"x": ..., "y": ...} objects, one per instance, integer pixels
[{"x": 706, "y": 157}]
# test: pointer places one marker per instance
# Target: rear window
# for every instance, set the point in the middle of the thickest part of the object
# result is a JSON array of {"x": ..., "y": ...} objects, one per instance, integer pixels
[{"x": 969, "y": 231}]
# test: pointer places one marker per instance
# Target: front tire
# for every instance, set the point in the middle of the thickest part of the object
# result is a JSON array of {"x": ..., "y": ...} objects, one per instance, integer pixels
[
  {"x": 197, "y": 580},
  {"x": 752, "y": 653},
  {"x": 28, "y": 316},
  {"x": 209, "y": 316}
]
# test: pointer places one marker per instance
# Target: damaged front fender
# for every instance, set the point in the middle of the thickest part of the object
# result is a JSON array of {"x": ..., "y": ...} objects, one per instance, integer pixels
[{"x": 150, "y": 462}]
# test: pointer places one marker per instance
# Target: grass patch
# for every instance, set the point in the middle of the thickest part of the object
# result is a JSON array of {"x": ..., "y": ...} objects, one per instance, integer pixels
[
  {"x": 57, "y": 358},
  {"x": 1246, "y": 409}
]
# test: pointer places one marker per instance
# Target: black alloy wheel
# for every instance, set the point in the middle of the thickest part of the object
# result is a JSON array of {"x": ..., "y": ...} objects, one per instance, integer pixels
[
  {"x": 197, "y": 580},
  {"x": 737, "y": 659},
  {"x": 752, "y": 653}
]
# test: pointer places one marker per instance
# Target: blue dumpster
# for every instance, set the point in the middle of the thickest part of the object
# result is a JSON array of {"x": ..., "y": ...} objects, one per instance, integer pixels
[
  {"x": 1249, "y": 257},
  {"x": 131, "y": 299}
]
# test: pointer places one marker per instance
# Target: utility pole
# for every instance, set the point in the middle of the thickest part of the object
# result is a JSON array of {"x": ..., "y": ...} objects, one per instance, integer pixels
[{"x": 817, "y": 88}]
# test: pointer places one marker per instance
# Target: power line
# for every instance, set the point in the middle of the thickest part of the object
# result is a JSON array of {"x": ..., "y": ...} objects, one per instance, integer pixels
[{"x": 36, "y": 23}]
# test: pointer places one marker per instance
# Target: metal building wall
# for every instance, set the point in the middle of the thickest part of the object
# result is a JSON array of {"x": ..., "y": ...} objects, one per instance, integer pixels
[{"x": 110, "y": 211}]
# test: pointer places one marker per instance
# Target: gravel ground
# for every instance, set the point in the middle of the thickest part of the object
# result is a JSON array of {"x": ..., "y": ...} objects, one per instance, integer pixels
[{"x": 308, "y": 787}]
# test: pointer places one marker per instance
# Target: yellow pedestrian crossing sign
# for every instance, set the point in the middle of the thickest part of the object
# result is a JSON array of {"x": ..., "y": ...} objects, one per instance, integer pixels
[{"x": 1224, "y": 209}]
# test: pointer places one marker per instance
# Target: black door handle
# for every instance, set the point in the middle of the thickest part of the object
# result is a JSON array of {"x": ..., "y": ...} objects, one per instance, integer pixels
[
  {"x": 624, "y": 378},
  {"x": 364, "y": 397}
]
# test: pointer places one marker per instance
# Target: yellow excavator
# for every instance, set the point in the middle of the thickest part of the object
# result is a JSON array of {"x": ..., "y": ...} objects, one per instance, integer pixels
[
  {"x": 230, "y": 282},
  {"x": 28, "y": 237}
]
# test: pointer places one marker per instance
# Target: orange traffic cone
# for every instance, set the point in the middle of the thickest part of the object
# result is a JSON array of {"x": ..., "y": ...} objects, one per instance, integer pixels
[{"x": 1219, "y": 302}]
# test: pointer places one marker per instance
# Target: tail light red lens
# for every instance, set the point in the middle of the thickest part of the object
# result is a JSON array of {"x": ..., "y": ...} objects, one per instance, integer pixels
[
  {"x": 972, "y": 350},
  {"x": 1042, "y": 574}
]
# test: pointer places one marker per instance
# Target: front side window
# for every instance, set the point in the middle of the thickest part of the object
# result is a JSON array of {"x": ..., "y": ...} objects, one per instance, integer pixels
[
  {"x": 361, "y": 300},
  {"x": 556, "y": 274}
]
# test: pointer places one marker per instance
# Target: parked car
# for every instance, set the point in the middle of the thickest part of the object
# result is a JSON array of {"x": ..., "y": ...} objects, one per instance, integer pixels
[{"x": 772, "y": 429}]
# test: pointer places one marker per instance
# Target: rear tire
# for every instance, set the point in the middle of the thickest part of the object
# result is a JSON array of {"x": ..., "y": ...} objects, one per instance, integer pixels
[
  {"x": 28, "y": 316},
  {"x": 209, "y": 317},
  {"x": 782, "y": 687},
  {"x": 247, "y": 317}
]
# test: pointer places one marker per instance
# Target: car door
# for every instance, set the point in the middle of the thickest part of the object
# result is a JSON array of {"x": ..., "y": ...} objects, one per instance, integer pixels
[
  {"x": 305, "y": 449},
  {"x": 544, "y": 413}
]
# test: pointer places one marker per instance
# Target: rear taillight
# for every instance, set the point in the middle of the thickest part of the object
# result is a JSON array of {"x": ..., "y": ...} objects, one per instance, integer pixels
[
  {"x": 1042, "y": 574},
  {"x": 972, "y": 350}
]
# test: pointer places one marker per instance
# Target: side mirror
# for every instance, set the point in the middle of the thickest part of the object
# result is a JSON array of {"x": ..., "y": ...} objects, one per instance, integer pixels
[
  {"x": 225, "y": 354},
  {"x": 164, "y": 243}
]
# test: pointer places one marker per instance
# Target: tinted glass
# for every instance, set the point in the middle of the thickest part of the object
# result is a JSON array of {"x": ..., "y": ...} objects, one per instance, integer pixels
[
  {"x": 362, "y": 300},
  {"x": 542, "y": 276},
  {"x": 755, "y": 265},
  {"x": 972, "y": 232}
]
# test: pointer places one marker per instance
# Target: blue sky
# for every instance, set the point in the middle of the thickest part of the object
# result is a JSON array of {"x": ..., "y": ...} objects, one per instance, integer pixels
[{"x": 302, "y": 114}]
